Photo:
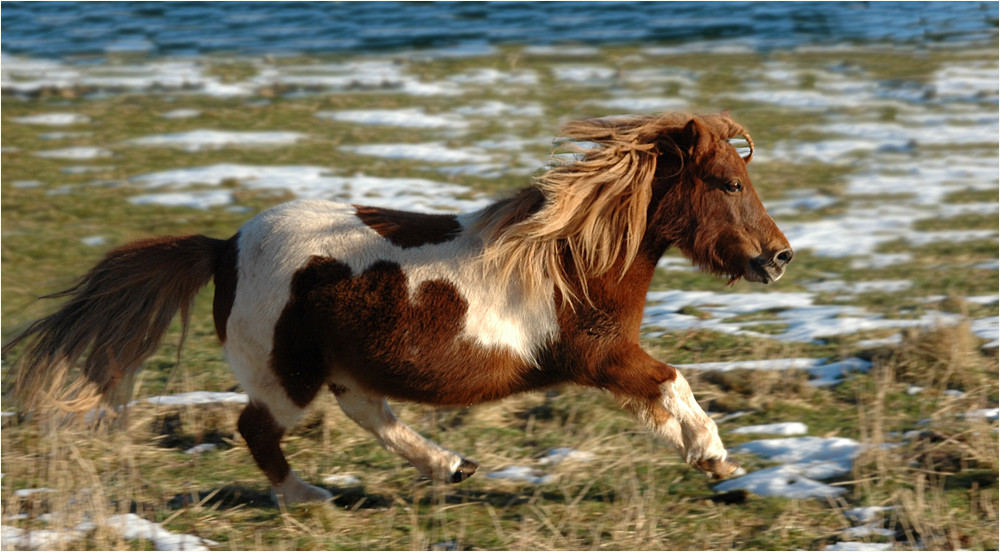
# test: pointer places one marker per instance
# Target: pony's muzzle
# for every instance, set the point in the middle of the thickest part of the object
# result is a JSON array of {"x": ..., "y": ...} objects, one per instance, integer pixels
[{"x": 772, "y": 267}]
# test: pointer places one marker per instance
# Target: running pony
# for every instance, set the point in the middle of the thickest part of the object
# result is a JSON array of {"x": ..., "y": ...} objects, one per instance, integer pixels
[{"x": 545, "y": 287}]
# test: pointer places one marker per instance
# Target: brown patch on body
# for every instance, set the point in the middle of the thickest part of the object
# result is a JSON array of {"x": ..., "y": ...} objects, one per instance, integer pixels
[
  {"x": 225, "y": 285},
  {"x": 263, "y": 436},
  {"x": 394, "y": 344},
  {"x": 406, "y": 229}
]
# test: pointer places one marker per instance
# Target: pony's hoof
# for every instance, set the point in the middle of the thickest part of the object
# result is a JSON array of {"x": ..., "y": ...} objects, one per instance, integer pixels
[
  {"x": 298, "y": 494},
  {"x": 464, "y": 471},
  {"x": 718, "y": 468}
]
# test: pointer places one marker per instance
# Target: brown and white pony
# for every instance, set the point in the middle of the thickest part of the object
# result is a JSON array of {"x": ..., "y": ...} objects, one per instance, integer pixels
[{"x": 539, "y": 289}]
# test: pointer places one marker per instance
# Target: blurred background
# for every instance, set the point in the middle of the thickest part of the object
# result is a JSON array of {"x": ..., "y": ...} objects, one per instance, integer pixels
[{"x": 876, "y": 127}]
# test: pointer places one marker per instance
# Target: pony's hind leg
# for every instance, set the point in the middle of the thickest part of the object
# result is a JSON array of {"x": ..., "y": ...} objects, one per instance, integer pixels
[
  {"x": 373, "y": 413},
  {"x": 270, "y": 413},
  {"x": 262, "y": 433}
]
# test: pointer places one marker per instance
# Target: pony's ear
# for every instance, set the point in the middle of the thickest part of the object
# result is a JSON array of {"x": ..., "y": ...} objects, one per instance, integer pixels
[{"x": 694, "y": 137}]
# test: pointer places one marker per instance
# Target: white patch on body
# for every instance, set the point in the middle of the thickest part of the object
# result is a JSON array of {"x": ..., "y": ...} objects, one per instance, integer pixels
[{"x": 277, "y": 243}]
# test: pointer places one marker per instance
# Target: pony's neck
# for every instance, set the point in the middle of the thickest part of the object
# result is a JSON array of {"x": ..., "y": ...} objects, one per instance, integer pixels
[
  {"x": 623, "y": 289},
  {"x": 668, "y": 216}
]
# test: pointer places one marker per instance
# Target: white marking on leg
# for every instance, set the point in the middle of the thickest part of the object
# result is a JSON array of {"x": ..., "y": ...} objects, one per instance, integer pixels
[
  {"x": 699, "y": 433},
  {"x": 373, "y": 414},
  {"x": 680, "y": 420}
]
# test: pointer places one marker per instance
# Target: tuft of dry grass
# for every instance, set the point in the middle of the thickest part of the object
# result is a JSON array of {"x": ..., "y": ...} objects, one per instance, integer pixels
[{"x": 937, "y": 467}]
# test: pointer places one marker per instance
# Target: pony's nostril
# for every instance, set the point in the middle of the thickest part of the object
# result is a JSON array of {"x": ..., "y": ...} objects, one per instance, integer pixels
[{"x": 784, "y": 256}]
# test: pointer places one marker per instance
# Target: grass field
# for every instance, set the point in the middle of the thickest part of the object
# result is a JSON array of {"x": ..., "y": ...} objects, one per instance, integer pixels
[{"x": 879, "y": 165}]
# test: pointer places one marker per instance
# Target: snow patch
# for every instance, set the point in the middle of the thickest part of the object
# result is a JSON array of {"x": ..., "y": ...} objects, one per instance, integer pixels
[
  {"x": 987, "y": 328},
  {"x": 134, "y": 527},
  {"x": 583, "y": 73},
  {"x": 198, "y": 140},
  {"x": 781, "y": 428},
  {"x": 202, "y": 448},
  {"x": 341, "y": 480},
  {"x": 840, "y": 451},
  {"x": 93, "y": 241},
  {"x": 848, "y": 546},
  {"x": 15, "y": 538},
  {"x": 25, "y": 493},
  {"x": 807, "y": 460},
  {"x": 195, "y": 200},
  {"x": 432, "y": 152},
  {"x": 52, "y": 119},
  {"x": 866, "y": 514},
  {"x": 561, "y": 454},
  {"x": 181, "y": 114},
  {"x": 795, "y": 317},
  {"x": 407, "y": 118},
  {"x": 991, "y": 414},
  {"x": 650, "y": 104},
  {"x": 309, "y": 182},
  {"x": 852, "y": 288},
  {"x": 76, "y": 153},
  {"x": 521, "y": 474},
  {"x": 493, "y": 108},
  {"x": 197, "y": 397},
  {"x": 790, "y": 481}
]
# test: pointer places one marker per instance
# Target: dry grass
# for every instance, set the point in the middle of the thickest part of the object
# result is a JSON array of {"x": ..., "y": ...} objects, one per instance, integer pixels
[{"x": 634, "y": 495}]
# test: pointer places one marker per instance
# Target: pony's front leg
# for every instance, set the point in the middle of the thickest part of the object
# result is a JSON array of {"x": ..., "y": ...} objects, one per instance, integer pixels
[
  {"x": 373, "y": 413},
  {"x": 662, "y": 399}
]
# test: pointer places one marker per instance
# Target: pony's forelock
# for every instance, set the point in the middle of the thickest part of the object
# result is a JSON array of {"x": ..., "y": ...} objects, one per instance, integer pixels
[{"x": 592, "y": 209}]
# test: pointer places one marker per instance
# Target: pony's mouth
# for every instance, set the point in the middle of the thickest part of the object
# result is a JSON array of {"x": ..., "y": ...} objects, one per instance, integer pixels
[{"x": 762, "y": 270}]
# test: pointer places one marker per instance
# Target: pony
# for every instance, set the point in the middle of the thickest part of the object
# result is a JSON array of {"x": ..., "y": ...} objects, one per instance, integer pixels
[{"x": 542, "y": 288}]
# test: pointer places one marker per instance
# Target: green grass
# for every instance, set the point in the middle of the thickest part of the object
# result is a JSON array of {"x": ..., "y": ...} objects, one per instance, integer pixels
[{"x": 635, "y": 493}]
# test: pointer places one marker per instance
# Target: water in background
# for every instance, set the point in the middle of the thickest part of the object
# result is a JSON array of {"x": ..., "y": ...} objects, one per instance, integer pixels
[
  {"x": 88, "y": 31},
  {"x": 926, "y": 138}
]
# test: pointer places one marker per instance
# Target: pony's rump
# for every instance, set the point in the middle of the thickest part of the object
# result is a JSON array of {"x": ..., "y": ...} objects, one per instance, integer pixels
[{"x": 115, "y": 315}]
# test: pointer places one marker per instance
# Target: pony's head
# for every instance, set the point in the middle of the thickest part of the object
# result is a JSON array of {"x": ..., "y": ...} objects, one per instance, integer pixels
[
  {"x": 705, "y": 204},
  {"x": 658, "y": 180}
]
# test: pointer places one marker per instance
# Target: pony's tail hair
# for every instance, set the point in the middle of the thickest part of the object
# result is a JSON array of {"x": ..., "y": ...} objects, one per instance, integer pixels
[{"x": 116, "y": 315}]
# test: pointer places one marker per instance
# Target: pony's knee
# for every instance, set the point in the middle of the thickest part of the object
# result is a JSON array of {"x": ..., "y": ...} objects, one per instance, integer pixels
[{"x": 638, "y": 378}]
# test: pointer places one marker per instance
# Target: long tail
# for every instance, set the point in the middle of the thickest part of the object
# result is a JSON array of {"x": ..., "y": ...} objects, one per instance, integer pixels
[{"x": 116, "y": 315}]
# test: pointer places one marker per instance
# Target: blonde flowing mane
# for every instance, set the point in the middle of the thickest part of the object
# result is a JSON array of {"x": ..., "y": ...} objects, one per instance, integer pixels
[{"x": 592, "y": 209}]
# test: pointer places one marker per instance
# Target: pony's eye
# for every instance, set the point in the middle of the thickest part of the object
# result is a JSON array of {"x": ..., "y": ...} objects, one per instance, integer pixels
[{"x": 734, "y": 186}]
